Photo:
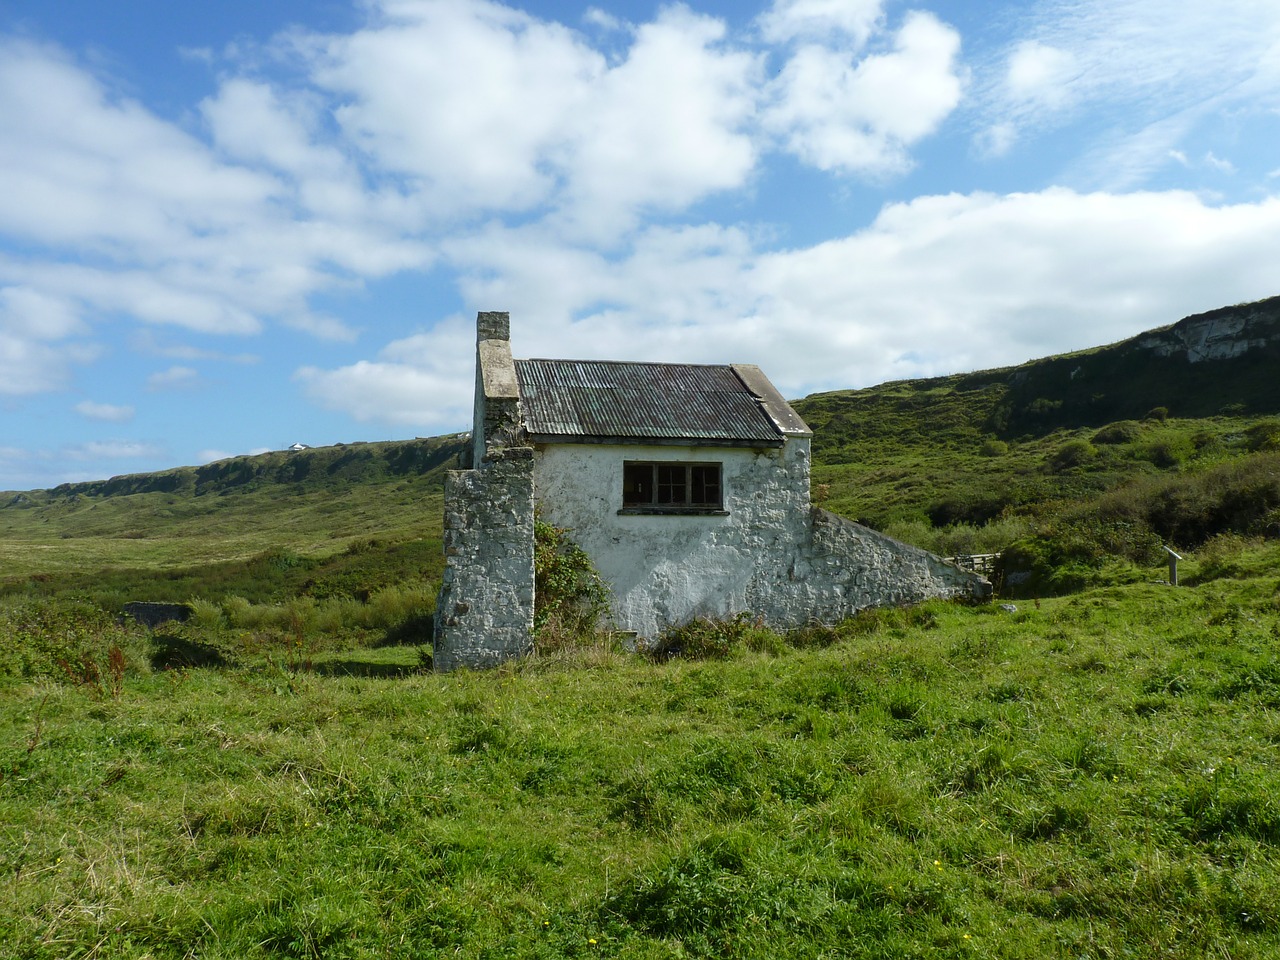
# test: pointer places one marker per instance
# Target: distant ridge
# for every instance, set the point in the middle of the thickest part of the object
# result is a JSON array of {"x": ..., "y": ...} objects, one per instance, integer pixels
[
  {"x": 313, "y": 468},
  {"x": 1226, "y": 361},
  {"x": 1223, "y": 362}
]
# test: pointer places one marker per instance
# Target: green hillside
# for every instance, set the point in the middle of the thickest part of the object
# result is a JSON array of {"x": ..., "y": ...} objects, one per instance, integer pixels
[
  {"x": 1076, "y": 461},
  {"x": 1089, "y": 773}
]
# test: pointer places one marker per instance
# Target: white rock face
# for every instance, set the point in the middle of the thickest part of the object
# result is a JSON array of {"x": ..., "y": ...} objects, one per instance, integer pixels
[{"x": 1220, "y": 335}]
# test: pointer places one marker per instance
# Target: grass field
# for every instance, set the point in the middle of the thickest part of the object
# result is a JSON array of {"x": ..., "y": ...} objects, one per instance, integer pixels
[
  {"x": 1088, "y": 776},
  {"x": 1093, "y": 775}
]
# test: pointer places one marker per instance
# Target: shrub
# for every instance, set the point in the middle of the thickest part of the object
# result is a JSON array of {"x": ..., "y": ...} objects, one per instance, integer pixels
[
  {"x": 991, "y": 447},
  {"x": 1165, "y": 453},
  {"x": 1264, "y": 435},
  {"x": 69, "y": 641},
  {"x": 1123, "y": 431},
  {"x": 1073, "y": 453},
  {"x": 570, "y": 599},
  {"x": 706, "y": 638}
]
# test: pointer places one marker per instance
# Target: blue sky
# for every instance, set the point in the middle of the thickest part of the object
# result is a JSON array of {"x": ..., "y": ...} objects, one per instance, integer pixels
[{"x": 228, "y": 227}]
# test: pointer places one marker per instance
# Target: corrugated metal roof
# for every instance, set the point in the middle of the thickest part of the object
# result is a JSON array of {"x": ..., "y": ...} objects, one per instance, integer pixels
[{"x": 593, "y": 400}]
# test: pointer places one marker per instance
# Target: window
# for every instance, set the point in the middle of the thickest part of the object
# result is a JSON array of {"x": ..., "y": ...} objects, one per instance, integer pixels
[{"x": 671, "y": 487}]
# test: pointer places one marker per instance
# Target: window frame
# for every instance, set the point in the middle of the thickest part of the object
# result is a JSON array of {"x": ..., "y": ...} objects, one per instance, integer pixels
[{"x": 671, "y": 488}]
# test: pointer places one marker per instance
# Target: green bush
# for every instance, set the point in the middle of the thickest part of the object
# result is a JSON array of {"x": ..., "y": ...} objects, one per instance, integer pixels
[
  {"x": 1124, "y": 431},
  {"x": 1264, "y": 435},
  {"x": 707, "y": 638},
  {"x": 70, "y": 642},
  {"x": 1073, "y": 453},
  {"x": 570, "y": 600}
]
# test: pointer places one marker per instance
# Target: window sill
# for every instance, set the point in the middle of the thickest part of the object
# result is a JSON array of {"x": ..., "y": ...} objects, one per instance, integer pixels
[{"x": 672, "y": 512}]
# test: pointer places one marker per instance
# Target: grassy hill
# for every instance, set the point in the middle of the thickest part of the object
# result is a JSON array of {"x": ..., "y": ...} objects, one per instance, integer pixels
[
  {"x": 1091, "y": 774},
  {"x": 1024, "y": 457}
]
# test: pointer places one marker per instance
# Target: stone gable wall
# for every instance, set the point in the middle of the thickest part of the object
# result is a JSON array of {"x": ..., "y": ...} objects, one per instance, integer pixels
[{"x": 484, "y": 613}]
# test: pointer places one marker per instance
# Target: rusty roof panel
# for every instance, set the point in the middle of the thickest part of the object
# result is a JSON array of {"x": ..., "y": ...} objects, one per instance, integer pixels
[{"x": 583, "y": 400}]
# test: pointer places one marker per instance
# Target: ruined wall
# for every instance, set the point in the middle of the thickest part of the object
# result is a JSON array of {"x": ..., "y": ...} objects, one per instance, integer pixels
[
  {"x": 841, "y": 567},
  {"x": 484, "y": 613}
]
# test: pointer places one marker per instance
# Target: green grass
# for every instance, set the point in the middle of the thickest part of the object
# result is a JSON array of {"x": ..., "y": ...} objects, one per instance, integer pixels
[
  {"x": 1091, "y": 775},
  {"x": 1087, "y": 776}
]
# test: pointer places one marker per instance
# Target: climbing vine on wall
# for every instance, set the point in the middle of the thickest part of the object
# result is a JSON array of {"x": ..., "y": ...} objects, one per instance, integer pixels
[{"x": 570, "y": 598}]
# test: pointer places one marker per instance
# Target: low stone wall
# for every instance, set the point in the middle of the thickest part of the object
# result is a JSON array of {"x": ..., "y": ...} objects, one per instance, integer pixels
[
  {"x": 842, "y": 567},
  {"x": 484, "y": 614}
]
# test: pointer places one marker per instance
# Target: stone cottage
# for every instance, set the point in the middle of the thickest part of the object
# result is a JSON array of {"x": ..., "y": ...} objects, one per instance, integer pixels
[{"x": 687, "y": 485}]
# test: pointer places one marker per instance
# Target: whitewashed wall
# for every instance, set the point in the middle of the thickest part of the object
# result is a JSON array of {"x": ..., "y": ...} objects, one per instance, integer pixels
[
  {"x": 667, "y": 569},
  {"x": 772, "y": 556}
]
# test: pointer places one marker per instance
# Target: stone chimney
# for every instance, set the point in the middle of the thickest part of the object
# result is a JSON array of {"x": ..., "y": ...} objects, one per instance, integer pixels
[
  {"x": 496, "y": 416},
  {"x": 493, "y": 326}
]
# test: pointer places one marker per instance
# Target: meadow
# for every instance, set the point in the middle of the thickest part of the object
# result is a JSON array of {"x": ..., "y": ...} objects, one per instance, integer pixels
[{"x": 1091, "y": 773}]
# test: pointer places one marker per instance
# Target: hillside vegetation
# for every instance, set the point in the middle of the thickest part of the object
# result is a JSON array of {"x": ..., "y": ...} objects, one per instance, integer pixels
[{"x": 1088, "y": 772}]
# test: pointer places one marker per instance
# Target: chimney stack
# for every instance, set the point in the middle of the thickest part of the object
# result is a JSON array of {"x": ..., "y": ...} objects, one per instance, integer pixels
[{"x": 493, "y": 326}]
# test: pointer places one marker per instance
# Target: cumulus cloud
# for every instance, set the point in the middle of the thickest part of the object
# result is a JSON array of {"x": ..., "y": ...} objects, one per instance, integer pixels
[
  {"x": 511, "y": 113},
  {"x": 789, "y": 20},
  {"x": 663, "y": 128},
  {"x": 129, "y": 214},
  {"x": 1040, "y": 76},
  {"x": 108, "y": 412},
  {"x": 31, "y": 324},
  {"x": 472, "y": 121},
  {"x": 422, "y": 381},
  {"x": 933, "y": 286},
  {"x": 837, "y": 112}
]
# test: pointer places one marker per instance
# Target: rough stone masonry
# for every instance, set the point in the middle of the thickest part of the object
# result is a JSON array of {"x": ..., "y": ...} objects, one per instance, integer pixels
[{"x": 767, "y": 551}]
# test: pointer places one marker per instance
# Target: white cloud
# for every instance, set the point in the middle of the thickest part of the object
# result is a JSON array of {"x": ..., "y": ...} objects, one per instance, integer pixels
[
  {"x": 38, "y": 315},
  {"x": 839, "y": 114},
  {"x": 663, "y": 128},
  {"x": 1148, "y": 71},
  {"x": 510, "y": 113},
  {"x": 145, "y": 341},
  {"x": 28, "y": 366},
  {"x": 111, "y": 413},
  {"x": 1040, "y": 76},
  {"x": 601, "y": 18},
  {"x": 176, "y": 377},
  {"x": 100, "y": 173},
  {"x": 123, "y": 213},
  {"x": 790, "y": 20},
  {"x": 421, "y": 381},
  {"x": 937, "y": 285},
  {"x": 322, "y": 327},
  {"x": 31, "y": 323},
  {"x": 471, "y": 121},
  {"x": 1219, "y": 164}
]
